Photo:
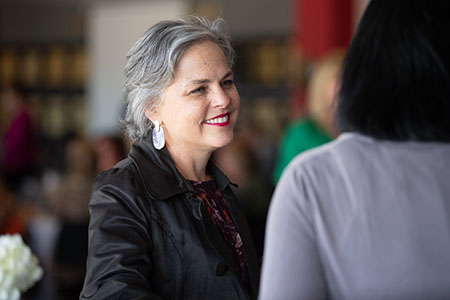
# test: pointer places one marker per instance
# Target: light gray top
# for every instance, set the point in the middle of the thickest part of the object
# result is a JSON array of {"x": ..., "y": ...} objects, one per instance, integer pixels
[{"x": 361, "y": 219}]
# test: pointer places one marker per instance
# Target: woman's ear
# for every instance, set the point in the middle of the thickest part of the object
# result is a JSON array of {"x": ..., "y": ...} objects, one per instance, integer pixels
[{"x": 151, "y": 114}]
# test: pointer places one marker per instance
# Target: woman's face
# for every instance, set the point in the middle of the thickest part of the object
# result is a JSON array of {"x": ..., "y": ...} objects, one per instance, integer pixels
[{"x": 199, "y": 108}]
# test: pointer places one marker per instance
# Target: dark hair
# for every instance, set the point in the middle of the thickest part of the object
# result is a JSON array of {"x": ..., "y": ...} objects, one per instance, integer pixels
[{"x": 395, "y": 80}]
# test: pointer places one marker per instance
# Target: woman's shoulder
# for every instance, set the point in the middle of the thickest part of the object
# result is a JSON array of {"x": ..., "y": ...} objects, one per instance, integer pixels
[
  {"x": 319, "y": 171},
  {"x": 123, "y": 176},
  {"x": 326, "y": 152},
  {"x": 327, "y": 161},
  {"x": 121, "y": 171},
  {"x": 119, "y": 191}
]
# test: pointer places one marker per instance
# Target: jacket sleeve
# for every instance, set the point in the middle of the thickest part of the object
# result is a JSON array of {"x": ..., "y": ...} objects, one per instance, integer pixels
[{"x": 119, "y": 260}]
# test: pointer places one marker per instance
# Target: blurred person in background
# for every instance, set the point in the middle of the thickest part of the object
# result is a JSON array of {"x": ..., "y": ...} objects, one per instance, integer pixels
[
  {"x": 18, "y": 155},
  {"x": 11, "y": 220},
  {"x": 317, "y": 127},
  {"x": 109, "y": 151},
  {"x": 164, "y": 222},
  {"x": 367, "y": 215},
  {"x": 67, "y": 199}
]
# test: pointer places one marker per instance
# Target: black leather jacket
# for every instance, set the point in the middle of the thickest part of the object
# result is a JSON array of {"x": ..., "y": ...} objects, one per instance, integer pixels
[{"x": 149, "y": 238}]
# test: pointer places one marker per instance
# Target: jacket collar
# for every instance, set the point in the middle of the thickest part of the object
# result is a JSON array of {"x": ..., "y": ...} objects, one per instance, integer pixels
[{"x": 161, "y": 178}]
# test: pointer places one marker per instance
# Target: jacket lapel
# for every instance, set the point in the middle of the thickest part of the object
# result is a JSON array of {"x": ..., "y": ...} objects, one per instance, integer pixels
[
  {"x": 240, "y": 221},
  {"x": 216, "y": 239}
]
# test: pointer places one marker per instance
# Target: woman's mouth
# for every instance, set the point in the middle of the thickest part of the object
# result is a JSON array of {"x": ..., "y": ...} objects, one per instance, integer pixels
[{"x": 220, "y": 120}]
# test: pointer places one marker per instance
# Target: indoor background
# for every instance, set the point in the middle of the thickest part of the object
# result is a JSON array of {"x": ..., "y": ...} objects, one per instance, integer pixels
[{"x": 67, "y": 57}]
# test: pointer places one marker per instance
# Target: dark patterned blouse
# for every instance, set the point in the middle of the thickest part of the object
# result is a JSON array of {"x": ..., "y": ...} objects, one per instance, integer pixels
[{"x": 213, "y": 199}]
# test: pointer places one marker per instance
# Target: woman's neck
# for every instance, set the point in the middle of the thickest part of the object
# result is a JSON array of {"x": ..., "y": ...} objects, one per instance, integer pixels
[{"x": 191, "y": 166}]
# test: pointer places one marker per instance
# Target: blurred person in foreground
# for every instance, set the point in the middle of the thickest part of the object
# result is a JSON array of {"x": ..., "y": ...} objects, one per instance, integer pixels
[
  {"x": 164, "y": 222},
  {"x": 317, "y": 127},
  {"x": 367, "y": 215}
]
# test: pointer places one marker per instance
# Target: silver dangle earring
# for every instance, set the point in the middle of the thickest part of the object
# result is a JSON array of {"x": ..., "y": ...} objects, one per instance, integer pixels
[{"x": 158, "y": 136}]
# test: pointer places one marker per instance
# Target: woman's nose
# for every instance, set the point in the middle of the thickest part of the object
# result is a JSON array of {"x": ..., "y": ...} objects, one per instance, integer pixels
[{"x": 220, "y": 98}]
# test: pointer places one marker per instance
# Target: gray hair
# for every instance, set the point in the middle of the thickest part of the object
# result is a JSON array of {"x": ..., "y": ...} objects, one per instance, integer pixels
[{"x": 152, "y": 60}]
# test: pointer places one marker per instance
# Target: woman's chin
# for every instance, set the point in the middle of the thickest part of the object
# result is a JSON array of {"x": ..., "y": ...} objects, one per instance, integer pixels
[{"x": 223, "y": 142}]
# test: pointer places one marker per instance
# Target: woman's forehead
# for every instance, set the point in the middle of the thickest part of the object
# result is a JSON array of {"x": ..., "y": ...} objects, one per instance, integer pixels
[{"x": 201, "y": 62}]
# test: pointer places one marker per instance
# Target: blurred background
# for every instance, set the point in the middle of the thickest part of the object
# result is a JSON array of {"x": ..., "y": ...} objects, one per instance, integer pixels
[{"x": 61, "y": 80}]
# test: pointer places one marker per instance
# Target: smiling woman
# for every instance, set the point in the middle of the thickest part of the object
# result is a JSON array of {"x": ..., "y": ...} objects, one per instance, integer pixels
[
  {"x": 198, "y": 109},
  {"x": 165, "y": 223}
]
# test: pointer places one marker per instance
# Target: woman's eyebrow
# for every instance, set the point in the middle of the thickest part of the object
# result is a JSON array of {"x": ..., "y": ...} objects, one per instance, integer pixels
[
  {"x": 202, "y": 81},
  {"x": 198, "y": 81},
  {"x": 229, "y": 73}
]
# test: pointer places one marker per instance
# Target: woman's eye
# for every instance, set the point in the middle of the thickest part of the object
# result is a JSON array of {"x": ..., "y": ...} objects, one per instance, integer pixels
[
  {"x": 198, "y": 90},
  {"x": 228, "y": 82}
]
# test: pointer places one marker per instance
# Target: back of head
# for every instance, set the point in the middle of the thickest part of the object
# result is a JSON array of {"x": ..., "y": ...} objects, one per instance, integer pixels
[
  {"x": 395, "y": 81},
  {"x": 152, "y": 60}
]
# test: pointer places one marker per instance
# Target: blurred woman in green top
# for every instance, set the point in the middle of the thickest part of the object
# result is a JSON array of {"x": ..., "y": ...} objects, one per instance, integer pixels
[{"x": 317, "y": 127}]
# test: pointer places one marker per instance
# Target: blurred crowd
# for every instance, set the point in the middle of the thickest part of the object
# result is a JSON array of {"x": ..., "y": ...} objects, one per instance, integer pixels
[{"x": 48, "y": 206}]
